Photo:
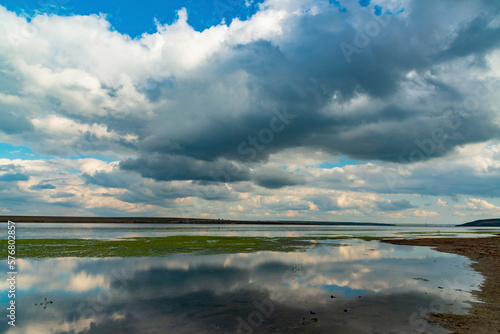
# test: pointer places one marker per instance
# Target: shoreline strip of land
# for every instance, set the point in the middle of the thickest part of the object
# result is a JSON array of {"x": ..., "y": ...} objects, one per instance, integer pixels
[
  {"x": 495, "y": 222},
  {"x": 485, "y": 255},
  {"x": 171, "y": 220}
]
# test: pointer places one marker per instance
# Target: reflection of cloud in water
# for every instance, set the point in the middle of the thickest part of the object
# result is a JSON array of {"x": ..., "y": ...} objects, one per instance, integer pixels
[
  {"x": 351, "y": 252},
  {"x": 127, "y": 236},
  {"x": 83, "y": 282},
  {"x": 114, "y": 231},
  {"x": 44, "y": 275},
  {"x": 186, "y": 293}
]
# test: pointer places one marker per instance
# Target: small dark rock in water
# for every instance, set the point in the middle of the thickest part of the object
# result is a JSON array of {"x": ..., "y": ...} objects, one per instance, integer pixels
[
  {"x": 345, "y": 310},
  {"x": 332, "y": 296},
  {"x": 314, "y": 319},
  {"x": 312, "y": 312}
]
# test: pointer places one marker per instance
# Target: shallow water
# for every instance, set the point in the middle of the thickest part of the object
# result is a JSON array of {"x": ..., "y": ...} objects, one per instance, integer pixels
[
  {"x": 115, "y": 231},
  {"x": 377, "y": 287}
]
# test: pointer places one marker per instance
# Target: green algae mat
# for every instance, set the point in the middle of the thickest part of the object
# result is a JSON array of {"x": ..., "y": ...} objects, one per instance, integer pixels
[{"x": 152, "y": 246}]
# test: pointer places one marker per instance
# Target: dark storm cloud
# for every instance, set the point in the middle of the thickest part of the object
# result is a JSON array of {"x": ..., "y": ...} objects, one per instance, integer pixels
[
  {"x": 168, "y": 167},
  {"x": 163, "y": 195},
  {"x": 276, "y": 178},
  {"x": 403, "y": 96},
  {"x": 304, "y": 72},
  {"x": 476, "y": 37}
]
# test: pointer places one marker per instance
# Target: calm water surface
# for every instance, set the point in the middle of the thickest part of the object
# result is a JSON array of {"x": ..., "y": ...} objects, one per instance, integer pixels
[
  {"x": 349, "y": 286},
  {"x": 114, "y": 231}
]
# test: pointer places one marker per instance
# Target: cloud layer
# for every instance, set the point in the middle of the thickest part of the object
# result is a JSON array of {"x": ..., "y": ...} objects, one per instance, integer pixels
[{"x": 246, "y": 115}]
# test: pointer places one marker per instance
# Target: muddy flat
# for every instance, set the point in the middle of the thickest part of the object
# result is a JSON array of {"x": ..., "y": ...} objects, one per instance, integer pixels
[{"x": 484, "y": 317}]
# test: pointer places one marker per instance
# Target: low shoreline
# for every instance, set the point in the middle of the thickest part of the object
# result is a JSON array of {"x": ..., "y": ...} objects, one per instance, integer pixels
[
  {"x": 172, "y": 220},
  {"x": 485, "y": 254}
]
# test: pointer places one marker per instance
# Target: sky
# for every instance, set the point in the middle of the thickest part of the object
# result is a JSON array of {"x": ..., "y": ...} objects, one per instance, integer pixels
[{"x": 368, "y": 111}]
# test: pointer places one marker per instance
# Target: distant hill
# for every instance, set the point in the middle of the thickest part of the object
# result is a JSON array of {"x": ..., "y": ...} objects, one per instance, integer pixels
[
  {"x": 495, "y": 222},
  {"x": 165, "y": 220}
]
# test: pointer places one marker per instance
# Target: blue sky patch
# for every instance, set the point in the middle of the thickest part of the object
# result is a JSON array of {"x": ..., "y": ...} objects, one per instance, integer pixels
[
  {"x": 343, "y": 161},
  {"x": 364, "y": 3},
  {"x": 337, "y": 4},
  {"x": 12, "y": 152},
  {"x": 347, "y": 292},
  {"x": 133, "y": 17}
]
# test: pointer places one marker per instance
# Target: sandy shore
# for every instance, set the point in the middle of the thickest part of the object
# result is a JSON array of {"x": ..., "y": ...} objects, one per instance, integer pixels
[{"x": 485, "y": 254}]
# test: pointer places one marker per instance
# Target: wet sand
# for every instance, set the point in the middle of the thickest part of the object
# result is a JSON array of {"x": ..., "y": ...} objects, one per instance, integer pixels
[{"x": 483, "y": 317}]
